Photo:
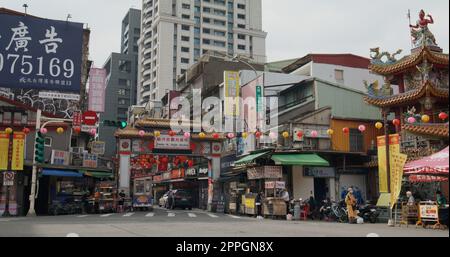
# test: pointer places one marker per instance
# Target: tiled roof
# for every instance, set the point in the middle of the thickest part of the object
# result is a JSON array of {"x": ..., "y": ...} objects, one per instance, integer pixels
[
  {"x": 439, "y": 130},
  {"x": 407, "y": 97},
  {"x": 410, "y": 61}
]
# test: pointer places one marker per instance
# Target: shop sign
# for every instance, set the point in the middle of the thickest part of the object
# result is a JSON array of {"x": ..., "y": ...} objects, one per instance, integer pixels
[
  {"x": 178, "y": 173},
  {"x": 216, "y": 148},
  {"x": 58, "y": 95},
  {"x": 125, "y": 146},
  {"x": 273, "y": 172},
  {"x": 90, "y": 160},
  {"x": 87, "y": 128},
  {"x": 98, "y": 147},
  {"x": 4, "y": 149},
  {"x": 203, "y": 172},
  {"x": 8, "y": 178},
  {"x": 137, "y": 145},
  {"x": 18, "y": 150},
  {"x": 280, "y": 184},
  {"x": 191, "y": 172},
  {"x": 157, "y": 178},
  {"x": 60, "y": 157},
  {"x": 429, "y": 211},
  {"x": 255, "y": 173},
  {"x": 166, "y": 176},
  {"x": 172, "y": 142},
  {"x": 269, "y": 185},
  {"x": 77, "y": 119},
  {"x": 319, "y": 172}
]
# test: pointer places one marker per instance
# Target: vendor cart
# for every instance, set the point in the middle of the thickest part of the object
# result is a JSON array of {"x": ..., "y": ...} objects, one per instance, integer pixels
[
  {"x": 142, "y": 194},
  {"x": 274, "y": 207}
]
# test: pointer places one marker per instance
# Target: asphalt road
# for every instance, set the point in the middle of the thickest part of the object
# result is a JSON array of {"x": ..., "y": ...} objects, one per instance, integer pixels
[{"x": 195, "y": 223}]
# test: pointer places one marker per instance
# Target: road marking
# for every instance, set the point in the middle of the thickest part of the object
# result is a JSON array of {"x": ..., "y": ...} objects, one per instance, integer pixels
[
  {"x": 372, "y": 235},
  {"x": 151, "y": 214},
  {"x": 128, "y": 214},
  {"x": 212, "y": 215},
  {"x": 72, "y": 235},
  {"x": 106, "y": 215},
  {"x": 192, "y": 215},
  {"x": 82, "y": 216},
  {"x": 171, "y": 214},
  {"x": 234, "y": 217}
]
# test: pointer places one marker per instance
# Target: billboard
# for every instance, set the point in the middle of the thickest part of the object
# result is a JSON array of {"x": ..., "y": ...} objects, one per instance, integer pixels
[
  {"x": 97, "y": 87},
  {"x": 40, "y": 53}
]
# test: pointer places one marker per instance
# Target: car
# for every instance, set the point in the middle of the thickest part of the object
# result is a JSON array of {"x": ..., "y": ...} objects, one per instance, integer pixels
[
  {"x": 180, "y": 199},
  {"x": 163, "y": 200}
]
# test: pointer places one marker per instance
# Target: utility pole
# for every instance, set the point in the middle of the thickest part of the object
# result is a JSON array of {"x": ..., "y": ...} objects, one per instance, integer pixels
[{"x": 31, "y": 211}]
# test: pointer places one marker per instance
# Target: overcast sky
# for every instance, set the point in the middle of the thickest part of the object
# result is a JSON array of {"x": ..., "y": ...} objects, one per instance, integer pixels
[{"x": 295, "y": 27}]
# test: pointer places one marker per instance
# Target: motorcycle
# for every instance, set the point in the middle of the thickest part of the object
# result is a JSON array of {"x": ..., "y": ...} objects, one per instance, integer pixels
[
  {"x": 368, "y": 212},
  {"x": 340, "y": 211}
]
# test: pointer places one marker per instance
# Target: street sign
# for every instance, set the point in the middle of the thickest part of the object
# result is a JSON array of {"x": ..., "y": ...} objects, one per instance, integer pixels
[
  {"x": 98, "y": 147},
  {"x": 90, "y": 160},
  {"x": 87, "y": 128},
  {"x": 60, "y": 157},
  {"x": 77, "y": 119},
  {"x": 90, "y": 118},
  {"x": 8, "y": 178}
]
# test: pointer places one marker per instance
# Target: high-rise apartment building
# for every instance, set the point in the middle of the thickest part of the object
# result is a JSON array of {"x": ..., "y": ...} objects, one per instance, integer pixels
[
  {"x": 122, "y": 71},
  {"x": 175, "y": 33}
]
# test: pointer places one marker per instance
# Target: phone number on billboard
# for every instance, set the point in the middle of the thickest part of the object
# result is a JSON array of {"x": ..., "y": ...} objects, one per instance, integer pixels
[{"x": 36, "y": 66}]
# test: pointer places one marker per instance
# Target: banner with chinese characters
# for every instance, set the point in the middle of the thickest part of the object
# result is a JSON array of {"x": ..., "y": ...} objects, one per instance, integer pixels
[
  {"x": 18, "y": 151},
  {"x": 394, "y": 147},
  {"x": 4, "y": 148},
  {"x": 398, "y": 161},
  {"x": 172, "y": 142},
  {"x": 232, "y": 93},
  {"x": 97, "y": 87},
  {"x": 40, "y": 53}
]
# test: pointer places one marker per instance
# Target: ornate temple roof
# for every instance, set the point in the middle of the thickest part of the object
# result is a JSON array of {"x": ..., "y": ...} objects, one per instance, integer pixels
[
  {"x": 130, "y": 132},
  {"x": 438, "y": 130},
  {"x": 408, "y": 96},
  {"x": 410, "y": 61}
]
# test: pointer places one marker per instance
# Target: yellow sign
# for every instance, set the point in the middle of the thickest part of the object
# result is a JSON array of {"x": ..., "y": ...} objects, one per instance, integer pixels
[
  {"x": 398, "y": 161},
  {"x": 18, "y": 151},
  {"x": 250, "y": 203},
  {"x": 394, "y": 148},
  {"x": 4, "y": 147},
  {"x": 232, "y": 93}
]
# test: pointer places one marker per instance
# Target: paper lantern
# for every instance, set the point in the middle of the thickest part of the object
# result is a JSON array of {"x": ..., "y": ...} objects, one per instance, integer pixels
[
  {"x": 190, "y": 163},
  {"x": 26, "y": 131},
  {"x": 346, "y": 130},
  {"x": 299, "y": 134},
  {"x": 9, "y": 130},
  {"x": 443, "y": 116},
  {"x": 411, "y": 120},
  {"x": 202, "y": 135},
  {"x": 60, "y": 130},
  {"x": 396, "y": 122},
  {"x": 230, "y": 135},
  {"x": 362, "y": 128},
  {"x": 330, "y": 132},
  {"x": 379, "y": 125},
  {"x": 141, "y": 133},
  {"x": 93, "y": 131},
  {"x": 215, "y": 136},
  {"x": 187, "y": 135},
  {"x": 314, "y": 133},
  {"x": 157, "y": 134},
  {"x": 425, "y": 118},
  {"x": 172, "y": 133},
  {"x": 258, "y": 134},
  {"x": 43, "y": 130},
  {"x": 244, "y": 135},
  {"x": 273, "y": 135},
  {"x": 285, "y": 134}
]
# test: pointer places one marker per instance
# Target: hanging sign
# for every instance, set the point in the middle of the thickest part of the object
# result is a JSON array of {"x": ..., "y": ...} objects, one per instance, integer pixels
[
  {"x": 8, "y": 178},
  {"x": 4, "y": 149}
]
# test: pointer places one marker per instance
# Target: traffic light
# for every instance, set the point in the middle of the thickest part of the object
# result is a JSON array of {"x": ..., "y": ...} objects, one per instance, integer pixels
[
  {"x": 118, "y": 124},
  {"x": 39, "y": 148}
]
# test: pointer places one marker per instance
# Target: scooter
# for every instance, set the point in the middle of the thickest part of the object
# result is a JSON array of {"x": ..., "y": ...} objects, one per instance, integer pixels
[
  {"x": 369, "y": 213},
  {"x": 340, "y": 211}
]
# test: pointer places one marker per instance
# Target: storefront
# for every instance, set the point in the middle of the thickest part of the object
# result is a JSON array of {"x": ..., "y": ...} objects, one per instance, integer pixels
[
  {"x": 356, "y": 178},
  {"x": 324, "y": 183}
]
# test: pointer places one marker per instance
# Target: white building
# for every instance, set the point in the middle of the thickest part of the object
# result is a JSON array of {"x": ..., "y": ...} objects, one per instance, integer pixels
[{"x": 175, "y": 33}]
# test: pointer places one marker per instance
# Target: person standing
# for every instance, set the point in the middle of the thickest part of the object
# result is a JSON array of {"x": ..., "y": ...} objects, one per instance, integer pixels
[
  {"x": 122, "y": 196},
  {"x": 258, "y": 203},
  {"x": 350, "y": 201},
  {"x": 286, "y": 198},
  {"x": 411, "y": 200},
  {"x": 440, "y": 199}
]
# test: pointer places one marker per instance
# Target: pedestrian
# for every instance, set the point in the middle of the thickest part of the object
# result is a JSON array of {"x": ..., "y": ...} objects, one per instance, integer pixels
[
  {"x": 411, "y": 200},
  {"x": 440, "y": 199},
  {"x": 122, "y": 196},
  {"x": 258, "y": 203},
  {"x": 350, "y": 201},
  {"x": 286, "y": 198}
]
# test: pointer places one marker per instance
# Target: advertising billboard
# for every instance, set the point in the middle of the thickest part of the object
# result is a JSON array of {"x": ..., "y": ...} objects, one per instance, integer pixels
[
  {"x": 97, "y": 87},
  {"x": 40, "y": 53}
]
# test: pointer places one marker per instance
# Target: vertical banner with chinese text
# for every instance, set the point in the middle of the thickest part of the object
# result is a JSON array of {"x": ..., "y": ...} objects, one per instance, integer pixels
[
  {"x": 4, "y": 147},
  {"x": 382, "y": 170},
  {"x": 232, "y": 93},
  {"x": 97, "y": 87},
  {"x": 18, "y": 151},
  {"x": 398, "y": 161}
]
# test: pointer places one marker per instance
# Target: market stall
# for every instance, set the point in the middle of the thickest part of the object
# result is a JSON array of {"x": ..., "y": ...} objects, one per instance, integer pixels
[{"x": 274, "y": 205}]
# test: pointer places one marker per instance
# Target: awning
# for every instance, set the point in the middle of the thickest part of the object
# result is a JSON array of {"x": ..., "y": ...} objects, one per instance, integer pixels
[
  {"x": 299, "y": 159},
  {"x": 250, "y": 158},
  {"x": 96, "y": 174},
  {"x": 61, "y": 173}
]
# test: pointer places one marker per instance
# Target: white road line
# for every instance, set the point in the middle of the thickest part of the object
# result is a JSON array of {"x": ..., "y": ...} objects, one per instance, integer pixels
[
  {"x": 212, "y": 215},
  {"x": 192, "y": 215},
  {"x": 128, "y": 214},
  {"x": 72, "y": 235},
  {"x": 171, "y": 214},
  {"x": 82, "y": 216},
  {"x": 151, "y": 214},
  {"x": 106, "y": 215},
  {"x": 232, "y": 216}
]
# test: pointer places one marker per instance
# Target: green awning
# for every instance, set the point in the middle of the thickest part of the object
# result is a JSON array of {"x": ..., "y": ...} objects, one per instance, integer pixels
[
  {"x": 97, "y": 174},
  {"x": 250, "y": 158},
  {"x": 299, "y": 159}
]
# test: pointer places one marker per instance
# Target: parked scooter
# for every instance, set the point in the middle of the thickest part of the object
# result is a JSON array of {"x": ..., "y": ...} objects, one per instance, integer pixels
[
  {"x": 340, "y": 211},
  {"x": 368, "y": 212}
]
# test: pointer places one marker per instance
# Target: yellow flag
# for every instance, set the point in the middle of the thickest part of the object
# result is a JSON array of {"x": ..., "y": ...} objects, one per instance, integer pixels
[{"x": 4, "y": 147}]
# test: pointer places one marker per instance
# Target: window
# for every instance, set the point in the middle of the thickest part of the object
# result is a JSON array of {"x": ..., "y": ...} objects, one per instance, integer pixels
[
  {"x": 121, "y": 92},
  {"x": 185, "y": 60},
  {"x": 185, "y": 16},
  {"x": 241, "y": 26},
  {"x": 241, "y": 6},
  {"x": 183, "y": 71},
  {"x": 206, "y": 31},
  {"x": 196, "y": 52},
  {"x": 339, "y": 75},
  {"x": 241, "y": 47},
  {"x": 206, "y": 41},
  {"x": 219, "y": 33},
  {"x": 219, "y": 22},
  {"x": 219, "y": 43},
  {"x": 185, "y": 49},
  {"x": 123, "y": 101},
  {"x": 356, "y": 141},
  {"x": 206, "y": 20},
  {"x": 185, "y": 38},
  {"x": 185, "y": 27},
  {"x": 186, "y": 6},
  {"x": 124, "y": 82},
  {"x": 241, "y": 16},
  {"x": 219, "y": 12},
  {"x": 48, "y": 141},
  {"x": 206, "y": 9},
  {"x": 240, "y": 36}
]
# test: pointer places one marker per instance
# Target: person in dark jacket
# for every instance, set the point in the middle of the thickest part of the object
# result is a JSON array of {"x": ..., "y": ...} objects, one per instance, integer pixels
[{"x": 259, "y": 203}]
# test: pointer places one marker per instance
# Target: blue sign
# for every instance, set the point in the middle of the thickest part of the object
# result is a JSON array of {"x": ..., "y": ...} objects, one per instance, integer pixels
[{"x": 39, "y": 53}]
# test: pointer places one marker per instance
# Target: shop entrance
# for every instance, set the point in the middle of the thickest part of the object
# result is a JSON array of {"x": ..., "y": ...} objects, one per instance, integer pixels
[{"x": 320, "y": 189}]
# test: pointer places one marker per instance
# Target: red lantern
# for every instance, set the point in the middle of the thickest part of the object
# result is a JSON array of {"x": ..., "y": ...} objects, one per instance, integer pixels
[
  {"x": 443, "y": 116},
  {"x": 172, "y": 133},
  {"x": 258, "y": 134},
  {"x": 190, "y": 163},
  {"x": 396, "y": 122},
  {"x": 300, "y": 134},
  {"x": 215, "y": 135},
  {"x": 193, "y": 146},
  {"x": 77, "y": 130},
  {"x": 26, "y": 131},
  {"x": 346, "y": 130}
]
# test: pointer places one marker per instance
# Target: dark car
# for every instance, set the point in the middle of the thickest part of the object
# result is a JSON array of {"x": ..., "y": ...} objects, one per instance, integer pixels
[{"x": 180, "y": 199}]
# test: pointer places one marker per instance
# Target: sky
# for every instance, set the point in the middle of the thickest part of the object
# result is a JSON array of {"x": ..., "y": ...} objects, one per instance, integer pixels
[{"x": 295, "y": 27}]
